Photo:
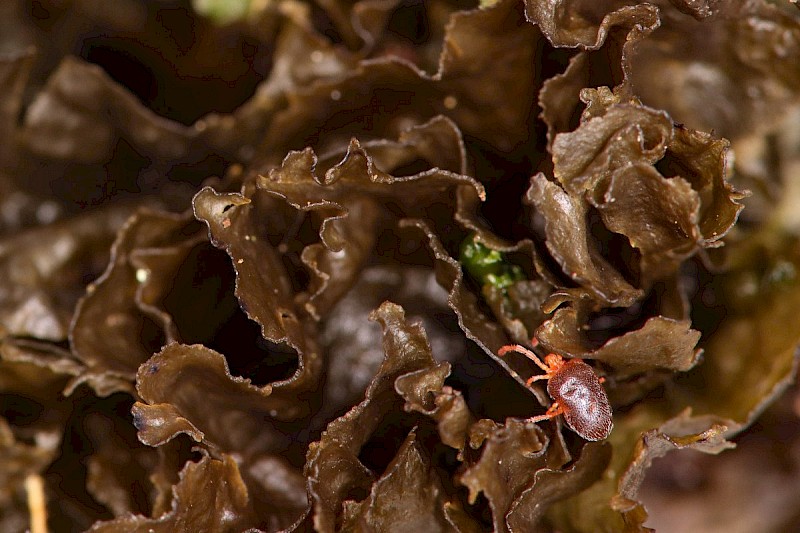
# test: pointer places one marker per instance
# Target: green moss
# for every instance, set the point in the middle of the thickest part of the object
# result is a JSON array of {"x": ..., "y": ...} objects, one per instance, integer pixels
[{"x": 487, "y": 266}]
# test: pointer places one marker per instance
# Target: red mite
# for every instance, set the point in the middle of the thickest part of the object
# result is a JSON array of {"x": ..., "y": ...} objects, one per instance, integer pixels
[{"x": 576, "y": 391}]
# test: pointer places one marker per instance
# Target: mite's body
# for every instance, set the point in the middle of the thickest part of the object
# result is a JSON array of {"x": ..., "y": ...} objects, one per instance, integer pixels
[{"x": 576, "y": 391}]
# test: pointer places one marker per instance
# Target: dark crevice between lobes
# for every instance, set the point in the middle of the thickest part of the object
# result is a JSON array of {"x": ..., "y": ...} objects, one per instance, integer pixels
[{"x": 206, "y": 311}]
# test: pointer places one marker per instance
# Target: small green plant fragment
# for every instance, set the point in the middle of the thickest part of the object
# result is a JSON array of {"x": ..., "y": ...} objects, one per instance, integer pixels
[
  {"x": 222, "y": 11},
  {"x": 487, "y": 266}
]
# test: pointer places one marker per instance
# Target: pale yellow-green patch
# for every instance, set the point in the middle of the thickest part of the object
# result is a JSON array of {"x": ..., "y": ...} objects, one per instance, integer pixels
[{"x": 222, "y": 11}]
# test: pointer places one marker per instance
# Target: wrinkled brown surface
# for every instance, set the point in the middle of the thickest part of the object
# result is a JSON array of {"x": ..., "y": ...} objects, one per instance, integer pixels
[
  {"x": 661, "y": 343},
  {"x": 110, "y": 330},
  {"x": 236, "y": 294},
  {"x": 336, "y": 455},
  {"x": 36, "y": 375},
  {"x": 44, "y": 268},
  {"x": 727, "y": 72},
  {"x": 408, "y": 497},
  {"x": 570, "y": 243},
  {"x": 223, "y": 506}
]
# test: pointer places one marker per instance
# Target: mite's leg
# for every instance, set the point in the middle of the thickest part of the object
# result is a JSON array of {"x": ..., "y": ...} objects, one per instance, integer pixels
[
  {"x": 554, "y": 410},
  {"x": 536, "y": 378},
  {"x": 524, "y": 351}
]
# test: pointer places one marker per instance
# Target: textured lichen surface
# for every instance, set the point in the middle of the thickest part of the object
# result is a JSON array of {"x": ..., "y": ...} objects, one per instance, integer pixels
[{"x": 259, "y": 259}]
